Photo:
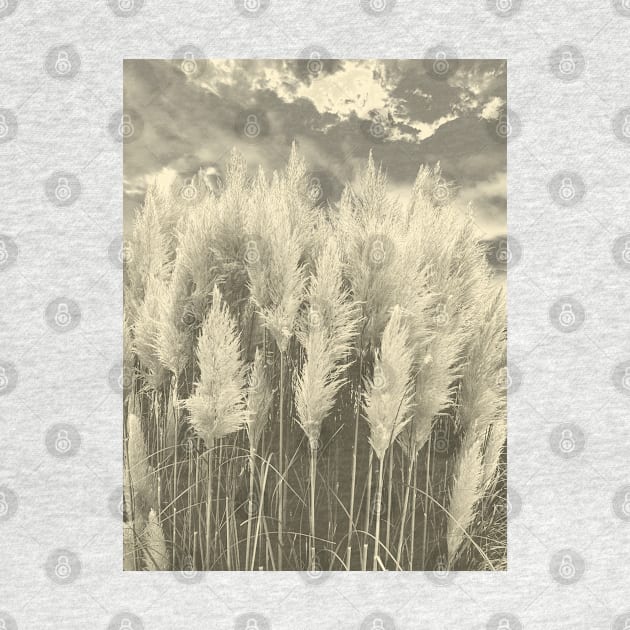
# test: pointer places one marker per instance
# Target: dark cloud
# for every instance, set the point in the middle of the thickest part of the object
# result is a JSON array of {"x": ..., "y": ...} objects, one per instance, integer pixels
[{"x": 193, "y": 123}]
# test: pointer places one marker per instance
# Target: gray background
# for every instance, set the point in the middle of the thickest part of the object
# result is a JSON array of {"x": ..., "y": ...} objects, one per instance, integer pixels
[{"x": 564, "y": 496}]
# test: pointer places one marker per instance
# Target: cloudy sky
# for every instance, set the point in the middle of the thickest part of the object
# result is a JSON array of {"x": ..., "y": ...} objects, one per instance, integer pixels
[{"x": 190, "y": 115}]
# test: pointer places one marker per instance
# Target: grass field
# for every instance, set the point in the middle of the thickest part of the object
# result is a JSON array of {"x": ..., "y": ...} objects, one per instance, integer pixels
[{"x": 311, "y": 387}]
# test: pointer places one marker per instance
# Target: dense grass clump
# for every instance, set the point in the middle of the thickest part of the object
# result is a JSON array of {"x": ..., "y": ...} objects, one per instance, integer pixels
[{"x": 311, "y": 387}]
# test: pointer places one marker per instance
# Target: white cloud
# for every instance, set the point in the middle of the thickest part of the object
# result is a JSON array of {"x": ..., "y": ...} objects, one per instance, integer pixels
[{"x": 492, "y": 109}]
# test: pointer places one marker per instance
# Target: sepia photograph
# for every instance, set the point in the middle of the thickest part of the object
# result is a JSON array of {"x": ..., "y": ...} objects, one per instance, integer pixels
[{"x": 315, "y": 329}]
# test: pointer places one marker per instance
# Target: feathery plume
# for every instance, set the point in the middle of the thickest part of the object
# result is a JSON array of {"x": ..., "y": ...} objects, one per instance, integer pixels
[
  {"x": 174, "y": 335},
  {"x": 259, "y": 398},
  {"x": 129, "y": 546},
  {"x": 494, "y": 448},
  {"x": 388, "y": 396},
  {"x": 140, "y": 473},
  {"x": 326, "y": 334},
  {"x": 465, "y": 492},
  {"x": 217, "y": 406},
  {"x": 154, "y": 551},
  {"x": 482, "y": 394},
  {"x": 146, "y": 332}
]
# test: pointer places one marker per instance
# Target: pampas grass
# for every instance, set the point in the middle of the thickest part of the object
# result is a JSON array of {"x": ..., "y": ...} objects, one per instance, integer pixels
[
  {"x": 290, "y": 370},
  {"x": 154, "y": 552},
  {"x": 217, "y": 406},
  {"x": 327, "y": 331}
]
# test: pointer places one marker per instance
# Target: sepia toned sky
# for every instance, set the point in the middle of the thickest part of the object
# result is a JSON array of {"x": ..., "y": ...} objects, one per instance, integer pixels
[{"x": 191, "y": 116}]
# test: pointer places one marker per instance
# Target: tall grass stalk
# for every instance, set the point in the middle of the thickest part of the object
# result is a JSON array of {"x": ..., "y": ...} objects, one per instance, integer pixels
[{"x": 266, "y": 328}]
